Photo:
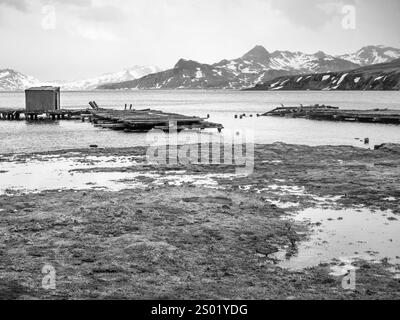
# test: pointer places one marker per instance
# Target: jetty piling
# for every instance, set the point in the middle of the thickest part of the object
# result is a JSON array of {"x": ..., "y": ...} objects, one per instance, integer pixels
[{"x": 22, "y": 114}]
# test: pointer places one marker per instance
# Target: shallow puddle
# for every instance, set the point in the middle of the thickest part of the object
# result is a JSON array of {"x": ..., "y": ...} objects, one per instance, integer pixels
[
  {"x": 341, "y": 236},
  {"x": 284, "y": 204},
  {"x": 51, "y": 172},
  {"x": 59, "y": 173}
]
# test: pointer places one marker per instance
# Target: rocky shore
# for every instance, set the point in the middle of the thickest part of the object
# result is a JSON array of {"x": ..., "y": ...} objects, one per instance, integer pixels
[{"x": 187, "y": 240}]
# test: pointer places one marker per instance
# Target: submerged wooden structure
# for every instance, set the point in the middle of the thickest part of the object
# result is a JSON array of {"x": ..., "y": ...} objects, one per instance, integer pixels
[
  {"x": 329, "y": 113},
  {"x": 129, "y": 120}
]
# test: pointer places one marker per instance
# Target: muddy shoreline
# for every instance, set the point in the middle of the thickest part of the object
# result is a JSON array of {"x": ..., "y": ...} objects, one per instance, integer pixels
[{"x": 189, "y": 240}]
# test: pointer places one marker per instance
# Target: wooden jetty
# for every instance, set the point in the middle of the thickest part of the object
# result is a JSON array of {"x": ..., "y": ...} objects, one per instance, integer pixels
[
  {"x": 146, "y": 120},
  {"x": 129, "y": 120},
  {"x": 329, "y": 113}
]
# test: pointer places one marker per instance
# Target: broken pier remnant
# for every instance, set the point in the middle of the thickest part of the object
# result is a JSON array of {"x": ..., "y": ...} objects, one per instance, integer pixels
[
  {"x": 329, "y": 113},
  {"x": 147, "y": 119}
]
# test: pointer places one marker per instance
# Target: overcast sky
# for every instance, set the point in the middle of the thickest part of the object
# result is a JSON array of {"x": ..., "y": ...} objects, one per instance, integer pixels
[{"x": 86, "y": 38}]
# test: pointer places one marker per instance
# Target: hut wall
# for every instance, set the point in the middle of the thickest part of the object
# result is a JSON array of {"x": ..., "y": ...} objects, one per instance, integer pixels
[{"x": 42, "y": 100}]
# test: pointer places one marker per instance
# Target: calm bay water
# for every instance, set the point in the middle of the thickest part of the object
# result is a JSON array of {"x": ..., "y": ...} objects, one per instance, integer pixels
[{"x": 21, "y": 136}]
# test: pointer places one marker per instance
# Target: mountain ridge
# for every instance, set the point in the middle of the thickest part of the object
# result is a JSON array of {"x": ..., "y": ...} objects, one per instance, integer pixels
[
  {"x": 11, "y": 80},
  {"x": 382, "y": 76},
  {"x": 256, "y": 66}
]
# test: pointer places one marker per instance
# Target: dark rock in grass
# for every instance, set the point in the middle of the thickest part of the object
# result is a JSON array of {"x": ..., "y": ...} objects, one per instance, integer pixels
[
  {"x": 107, "y": 269},
  {"x": 217, "y": 200},
  {"x": 88, "y": 259},
  {"x": 266, "y": 249}
]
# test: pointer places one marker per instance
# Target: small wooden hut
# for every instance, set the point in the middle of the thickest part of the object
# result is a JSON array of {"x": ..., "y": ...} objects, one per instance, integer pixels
[{"x": 42, "y": 99}]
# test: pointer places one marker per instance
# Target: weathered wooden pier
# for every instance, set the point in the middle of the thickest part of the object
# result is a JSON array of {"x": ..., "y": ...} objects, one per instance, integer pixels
[
  {"x": 145, "y": 120},
  {"x": 329, "y": 113},
  {"x": 43, "y": 103},
  {"x": 128, "y": 120}
]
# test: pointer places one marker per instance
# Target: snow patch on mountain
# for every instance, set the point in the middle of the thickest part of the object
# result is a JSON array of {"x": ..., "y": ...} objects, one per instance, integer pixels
[{"x": 199, "y": 73}]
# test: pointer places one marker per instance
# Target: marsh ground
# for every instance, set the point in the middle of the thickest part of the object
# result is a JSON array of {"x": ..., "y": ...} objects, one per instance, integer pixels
[{"x": 187, "y": 240}]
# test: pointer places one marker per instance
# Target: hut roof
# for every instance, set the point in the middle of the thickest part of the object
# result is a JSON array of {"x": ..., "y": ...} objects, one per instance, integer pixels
[{"x": 44, "y": 88}]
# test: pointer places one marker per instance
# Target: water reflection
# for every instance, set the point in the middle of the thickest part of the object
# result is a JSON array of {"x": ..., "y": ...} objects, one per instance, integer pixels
[{"x": 345, "y": 235}]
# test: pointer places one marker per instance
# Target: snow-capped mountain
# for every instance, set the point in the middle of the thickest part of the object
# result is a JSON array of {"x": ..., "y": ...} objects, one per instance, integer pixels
[
  {"x": 11, "y": 80},
  {"x": 382, "y": 76},
  {"x": 372, "y": 55},
  {"x": 256, "y": 66},
  {"x": 132, "y": 73},
  {"x": 259, "y": 59}
]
